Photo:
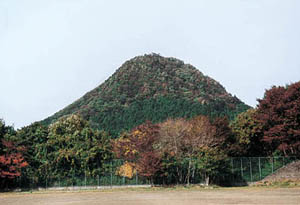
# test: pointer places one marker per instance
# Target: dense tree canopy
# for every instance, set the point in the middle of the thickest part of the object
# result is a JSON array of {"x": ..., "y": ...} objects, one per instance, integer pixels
[
  {"x": 248, "y": 135},
  {"x": 279, "y": 113},
  {"x": 74, "y": 148},
  {"x": 11, "y": 156},
  {"x": 138, "y": 148},
  {"x": 33, "y": 138},
  {"x": 167, "y": 151},
  {"x": 173, "y": 148}
]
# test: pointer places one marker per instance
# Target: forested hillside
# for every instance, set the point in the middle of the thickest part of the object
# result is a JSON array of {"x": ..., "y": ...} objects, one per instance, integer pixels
[
  {"x": 189, "y": 138},
  {"x": 152, "y": 87}
]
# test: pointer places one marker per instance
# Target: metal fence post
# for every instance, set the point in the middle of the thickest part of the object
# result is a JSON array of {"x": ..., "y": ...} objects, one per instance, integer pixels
[
  {"x": 251, "y": 177},
  {"x": 20, "y": 182},
  {"x": 272, "y": 165},
  {"x": 259, "y": 167},
  {"x": 85, "y": 179},
  {"x": 111, "y": 175},
  {"x": 231, "y": 165},
  {"x": 232, "y": 171},
  {"x": 73, "y": 180},
  {"x": 242, "y": 167}
]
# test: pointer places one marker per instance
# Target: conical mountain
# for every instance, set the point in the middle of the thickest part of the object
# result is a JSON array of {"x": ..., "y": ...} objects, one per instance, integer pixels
[{"x": 152, "y": 87}]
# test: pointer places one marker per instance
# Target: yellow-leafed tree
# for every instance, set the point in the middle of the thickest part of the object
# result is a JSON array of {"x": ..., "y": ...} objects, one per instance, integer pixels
[{"x": 127, "y": 170}]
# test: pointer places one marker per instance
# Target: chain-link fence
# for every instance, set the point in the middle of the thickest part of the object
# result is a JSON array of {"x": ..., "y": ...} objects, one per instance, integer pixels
[
  {"x": 81, "y": 181},
  {"x": 252, "y": 169},
  {"x": 102, "y": 178},
  {"x": 239, "y": 171}
]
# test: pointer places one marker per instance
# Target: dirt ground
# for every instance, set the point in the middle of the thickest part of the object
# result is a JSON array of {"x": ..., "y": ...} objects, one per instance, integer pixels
[
  {"x": 248, "y": 195},
  {"x": 289, "y": 172}
]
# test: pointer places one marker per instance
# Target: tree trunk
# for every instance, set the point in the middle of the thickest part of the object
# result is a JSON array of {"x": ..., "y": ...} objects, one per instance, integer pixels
[
  {"x": 152, "y": 181},
  {"x": 189, "y": 172},
  {"x": 206, "y": 179},
  {"x": 178, "y": 175},
  {"x": 193, "y": 173}
]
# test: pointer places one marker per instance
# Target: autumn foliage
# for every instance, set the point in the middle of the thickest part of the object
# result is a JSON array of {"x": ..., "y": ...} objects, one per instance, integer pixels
[
  {"x": 138, "y": 148},
  {"x": 11, "y": 156},
  {"x": 170, "y": 152},
  {"x": 273, "y": 128},
  {"x": 12, "y": 161},
  {"x": 126, "y": 170},
  {"x": 162, "y": 149},
  {"x": 279, "y": 113}
]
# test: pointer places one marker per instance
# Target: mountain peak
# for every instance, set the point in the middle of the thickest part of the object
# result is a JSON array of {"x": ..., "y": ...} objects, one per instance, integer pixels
[
  {"x": 152, "y": 75},
  {"x": 152, "y": 87}
]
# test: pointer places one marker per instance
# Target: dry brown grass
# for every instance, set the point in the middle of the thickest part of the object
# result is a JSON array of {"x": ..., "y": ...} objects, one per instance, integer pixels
[{"x": 174, "y": 196}]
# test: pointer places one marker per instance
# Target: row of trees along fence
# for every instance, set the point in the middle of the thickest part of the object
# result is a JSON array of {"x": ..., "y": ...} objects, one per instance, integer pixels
[
  {"x": 241, "y": 170},
  {"x": 105, "y": 177}
]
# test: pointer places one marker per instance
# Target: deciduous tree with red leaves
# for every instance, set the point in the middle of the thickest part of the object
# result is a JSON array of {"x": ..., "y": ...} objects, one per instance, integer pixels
[
  {"x": 11, "y": 159},
  {"x": 138, "y": 148},
  {"x": 279, "y": 112}
]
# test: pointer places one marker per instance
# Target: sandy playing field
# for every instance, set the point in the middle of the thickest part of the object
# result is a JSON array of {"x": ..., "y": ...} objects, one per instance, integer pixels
[{"x": 162, "y": 196}]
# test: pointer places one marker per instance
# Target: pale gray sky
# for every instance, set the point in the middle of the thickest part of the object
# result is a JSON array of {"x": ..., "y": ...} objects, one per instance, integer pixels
[{"x": 54, "y": 51}]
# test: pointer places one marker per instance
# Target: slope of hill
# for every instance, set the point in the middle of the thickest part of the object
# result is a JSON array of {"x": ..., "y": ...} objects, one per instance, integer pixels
[
  {"x": 152, "y": 87},
  {"x": 287, "y": 174}
]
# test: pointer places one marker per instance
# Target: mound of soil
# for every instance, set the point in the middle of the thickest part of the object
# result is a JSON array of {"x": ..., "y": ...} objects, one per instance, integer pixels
[{"x": 290, "y": 172}]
